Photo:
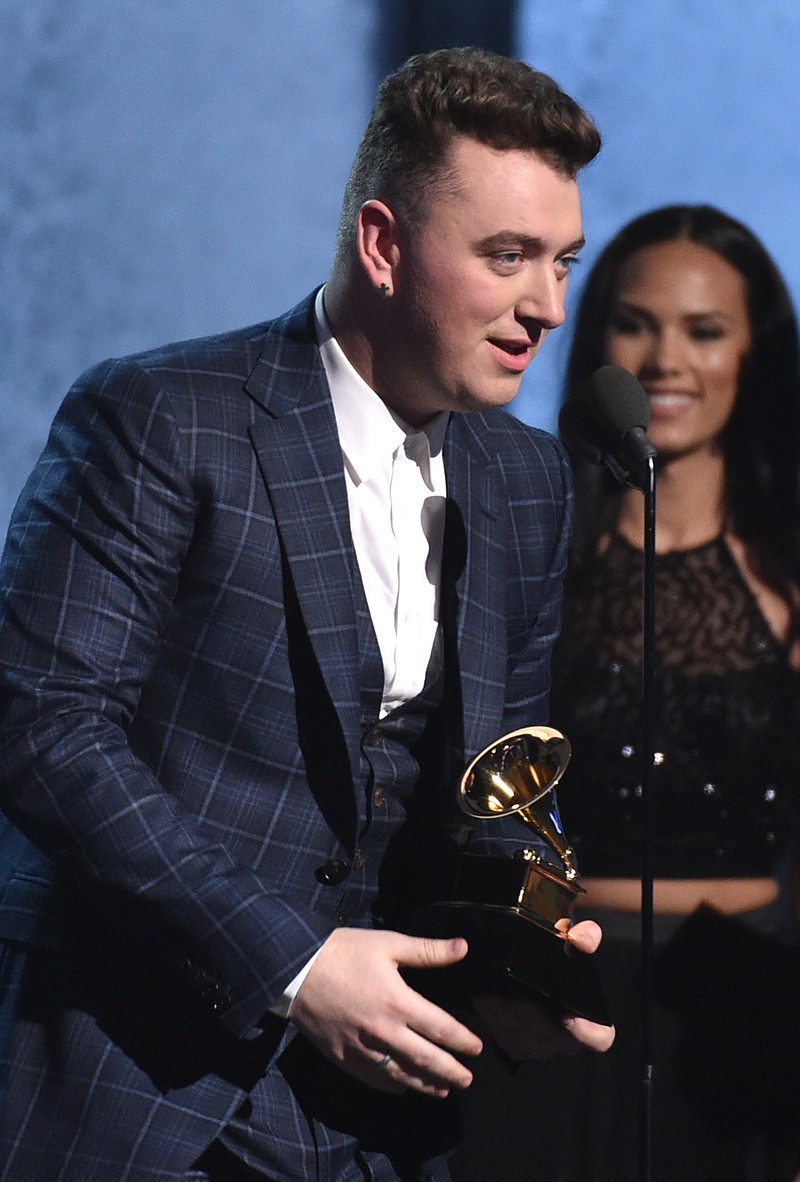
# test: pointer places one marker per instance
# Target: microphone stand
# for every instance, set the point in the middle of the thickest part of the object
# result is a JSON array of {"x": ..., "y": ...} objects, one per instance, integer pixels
[
  {"x": 607, "y": 426},
  {"x": 648, "y": 820}
]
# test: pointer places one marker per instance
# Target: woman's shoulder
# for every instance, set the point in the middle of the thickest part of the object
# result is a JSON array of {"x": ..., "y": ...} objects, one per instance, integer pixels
[{"x": 779, "y": 608}]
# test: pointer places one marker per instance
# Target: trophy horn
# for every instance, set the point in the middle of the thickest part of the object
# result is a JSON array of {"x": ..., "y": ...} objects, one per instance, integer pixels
[
  {"x": 514, "y": 912},
  {"x": 516, "y": 774}
]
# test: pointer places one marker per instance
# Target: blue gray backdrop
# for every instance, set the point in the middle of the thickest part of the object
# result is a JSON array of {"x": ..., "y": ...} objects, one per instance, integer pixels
[{"x": 171, "y": 168}]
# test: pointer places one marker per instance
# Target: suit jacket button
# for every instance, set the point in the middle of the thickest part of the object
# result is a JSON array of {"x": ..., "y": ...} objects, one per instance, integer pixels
[{"x": 334, "y": 871}]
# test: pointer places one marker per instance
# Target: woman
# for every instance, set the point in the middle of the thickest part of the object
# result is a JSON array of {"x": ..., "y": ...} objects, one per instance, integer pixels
[{"x": 687, "y": 300}]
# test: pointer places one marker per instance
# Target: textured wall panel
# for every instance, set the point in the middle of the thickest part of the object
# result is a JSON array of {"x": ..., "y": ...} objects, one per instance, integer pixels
[
  {"x": 168, "y": 169},
  {"x": 697, "y": 100}
]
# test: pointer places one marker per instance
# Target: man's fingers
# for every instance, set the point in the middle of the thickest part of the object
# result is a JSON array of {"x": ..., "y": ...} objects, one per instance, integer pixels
[
  {"x": 585, "y": 936},
  {"x": 357, "y": 1008},
  {"x": 384, "y": 1076},
  {"x": 423, "y": 952},
  {"x": 428, "y": 1070},
  {"x": 526, "y": 1031},
  {"x": 431, "y": 1033},
  {"x": 522, "y": 1029},
  {"x": 590, "y": 1034}
]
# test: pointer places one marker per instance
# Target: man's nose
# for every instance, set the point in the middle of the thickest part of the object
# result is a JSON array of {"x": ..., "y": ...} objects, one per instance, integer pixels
[{"x": 543, "y": 300}]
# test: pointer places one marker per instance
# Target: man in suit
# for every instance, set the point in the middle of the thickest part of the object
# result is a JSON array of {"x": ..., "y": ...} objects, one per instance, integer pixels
[{"x": 264, "y": 594}]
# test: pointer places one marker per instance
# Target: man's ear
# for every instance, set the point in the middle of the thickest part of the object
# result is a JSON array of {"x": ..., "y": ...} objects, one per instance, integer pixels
[{"x": 378, "y": 248}]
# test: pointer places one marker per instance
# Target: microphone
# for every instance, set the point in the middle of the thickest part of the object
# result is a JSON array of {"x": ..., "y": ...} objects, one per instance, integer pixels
[{"x": 606, "y": 423}]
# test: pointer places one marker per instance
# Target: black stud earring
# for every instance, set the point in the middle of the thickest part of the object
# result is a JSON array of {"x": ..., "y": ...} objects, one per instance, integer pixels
[{"x": 384, "y": 290}]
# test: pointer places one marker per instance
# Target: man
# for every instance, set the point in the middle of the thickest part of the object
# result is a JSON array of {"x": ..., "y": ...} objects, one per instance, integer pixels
[{"x": 266, "y": 593}]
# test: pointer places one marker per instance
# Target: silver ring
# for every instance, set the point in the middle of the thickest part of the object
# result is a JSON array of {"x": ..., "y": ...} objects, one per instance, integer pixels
[{"x": 385, "y": 1061}]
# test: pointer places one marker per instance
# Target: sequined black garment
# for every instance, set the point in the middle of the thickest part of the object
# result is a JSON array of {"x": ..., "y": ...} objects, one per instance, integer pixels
[{"x": 727, "y": 731}]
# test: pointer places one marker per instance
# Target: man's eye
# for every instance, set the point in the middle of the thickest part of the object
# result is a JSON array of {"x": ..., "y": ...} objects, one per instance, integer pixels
[
  {"x": 565, "y": 264},
  {"x": 508, "y": 258}
]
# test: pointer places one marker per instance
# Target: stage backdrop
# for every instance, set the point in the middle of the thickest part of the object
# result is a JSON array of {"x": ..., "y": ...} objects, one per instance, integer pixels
[
  {"x": 168, "y": 170},
  {"x": 172, "y": 169}
]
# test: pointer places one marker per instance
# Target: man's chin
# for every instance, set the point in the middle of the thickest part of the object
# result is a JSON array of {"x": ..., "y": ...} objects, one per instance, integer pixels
[{"x": 494, "y": 396}]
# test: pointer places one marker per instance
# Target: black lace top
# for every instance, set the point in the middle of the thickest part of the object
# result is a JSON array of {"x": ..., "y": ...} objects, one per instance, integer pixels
[{"x": 727, "y": 727}]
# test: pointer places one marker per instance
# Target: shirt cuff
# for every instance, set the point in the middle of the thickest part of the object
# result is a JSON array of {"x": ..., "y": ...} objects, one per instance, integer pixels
[{"x": 282, "y": 1005}]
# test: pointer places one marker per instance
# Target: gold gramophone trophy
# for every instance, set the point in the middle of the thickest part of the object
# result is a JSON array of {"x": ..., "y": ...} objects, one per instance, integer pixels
[{"x": 511, "y": 909}]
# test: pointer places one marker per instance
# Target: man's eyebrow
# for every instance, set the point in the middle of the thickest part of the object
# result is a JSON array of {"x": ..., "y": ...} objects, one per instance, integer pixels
[{"x": 528, "y": 242}]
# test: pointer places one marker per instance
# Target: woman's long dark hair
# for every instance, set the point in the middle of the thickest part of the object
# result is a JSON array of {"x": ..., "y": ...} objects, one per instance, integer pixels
[{"x": 761, "y": 442}]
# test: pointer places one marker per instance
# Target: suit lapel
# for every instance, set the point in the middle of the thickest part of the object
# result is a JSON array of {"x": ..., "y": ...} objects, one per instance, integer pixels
[
  {"x": 473, "y": 586},
  {"x": 301, "y": 463}
]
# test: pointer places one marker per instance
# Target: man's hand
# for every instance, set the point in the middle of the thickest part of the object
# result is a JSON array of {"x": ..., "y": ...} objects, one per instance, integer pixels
[
  {"x": 355, "y": 1007},
  {"x": 525, "y": 1031}
]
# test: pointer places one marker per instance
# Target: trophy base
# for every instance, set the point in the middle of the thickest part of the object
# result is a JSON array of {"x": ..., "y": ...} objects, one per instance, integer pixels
[{"x": 510, "y": 953}]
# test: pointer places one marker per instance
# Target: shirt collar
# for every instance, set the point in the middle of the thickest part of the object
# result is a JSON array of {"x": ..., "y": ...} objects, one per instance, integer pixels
[{"x": 369, "y": 432}]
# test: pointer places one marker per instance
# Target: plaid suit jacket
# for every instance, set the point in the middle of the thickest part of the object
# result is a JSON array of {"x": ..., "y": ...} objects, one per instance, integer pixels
[{"x": 180, "y": 720}]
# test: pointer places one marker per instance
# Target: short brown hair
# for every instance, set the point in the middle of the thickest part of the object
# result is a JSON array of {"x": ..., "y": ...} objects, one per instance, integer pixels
[{"x": 434, "y": 97}]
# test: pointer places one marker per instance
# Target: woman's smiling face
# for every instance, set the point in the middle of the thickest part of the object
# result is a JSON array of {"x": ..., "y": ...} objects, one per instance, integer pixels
[{"x": 680, "y": 325}]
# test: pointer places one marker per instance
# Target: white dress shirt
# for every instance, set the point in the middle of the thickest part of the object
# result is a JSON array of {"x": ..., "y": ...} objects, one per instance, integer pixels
[{"x": 396, "y": 493}]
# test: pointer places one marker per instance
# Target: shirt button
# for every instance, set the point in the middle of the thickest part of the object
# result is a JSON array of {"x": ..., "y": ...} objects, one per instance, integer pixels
[
  {"x": 374, "y": 737},
  {"x": 332, "y": 872},
  {"x": 378, "y": 798}
]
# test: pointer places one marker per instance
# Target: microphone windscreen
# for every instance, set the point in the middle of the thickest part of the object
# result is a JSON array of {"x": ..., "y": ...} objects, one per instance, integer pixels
[
  {"x": 606, "y": 423},
  {"x": 612, "y": 404},
  {"x": 619, "y": 399}
]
